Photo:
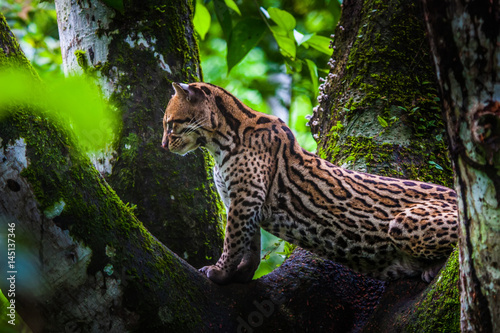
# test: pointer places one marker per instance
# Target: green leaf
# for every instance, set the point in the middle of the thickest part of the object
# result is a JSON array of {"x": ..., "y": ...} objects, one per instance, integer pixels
[
  {"x": 313, "y": 70},
  {"x": 246, "y": 34},
  {"x": 201, "y": 19},
  {"x": 231, "y": 4},
  {"x": 224, "y": 17},
  {"x": 301, "y": 38},
  {"x": 115, "y": 4},
  {"x": 320, "y": 43},
  {"x": 299, "y": 108},
  {"x": 434, "y": 164},
  {"x": 382, "y": 122},
  {"x": 293, "y": 65},
  {"x": 282, "y": 18},
  {"x": 286, "y": 44}
]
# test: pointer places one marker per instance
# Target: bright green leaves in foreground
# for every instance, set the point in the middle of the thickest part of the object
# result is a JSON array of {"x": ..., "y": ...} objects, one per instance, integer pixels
[
  {"x": 202, "y": 20},
  {"x": 283, "y": 31},
  {"x": 73, "y": 102}
]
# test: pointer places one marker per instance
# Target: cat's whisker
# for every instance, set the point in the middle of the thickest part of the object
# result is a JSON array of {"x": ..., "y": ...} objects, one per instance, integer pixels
[{"x": 195, "y": 125}]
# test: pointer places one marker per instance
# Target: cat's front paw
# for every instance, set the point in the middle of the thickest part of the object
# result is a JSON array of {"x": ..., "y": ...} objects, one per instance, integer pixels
[{"x": 216, "y": 274}]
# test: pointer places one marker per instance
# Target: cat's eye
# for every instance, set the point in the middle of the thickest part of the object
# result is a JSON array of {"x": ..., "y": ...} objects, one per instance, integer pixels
[{"x": 169, "y": 127}]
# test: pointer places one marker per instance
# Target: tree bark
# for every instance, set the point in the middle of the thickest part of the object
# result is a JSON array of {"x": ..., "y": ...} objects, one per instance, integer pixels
[
  {"x": 379, "y": 113},
  {"x": 135, "y": 54},
  {"x": 465, "y": 41}
]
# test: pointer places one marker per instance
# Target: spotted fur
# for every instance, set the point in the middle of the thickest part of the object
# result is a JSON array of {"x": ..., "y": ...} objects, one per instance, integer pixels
[{"x": 385, "y": 227}]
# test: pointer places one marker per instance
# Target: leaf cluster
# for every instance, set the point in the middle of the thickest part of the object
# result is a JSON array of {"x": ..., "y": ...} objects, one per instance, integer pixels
[
  {"x": 269, "y": 57},
  {"x": 34, "y": 24}
]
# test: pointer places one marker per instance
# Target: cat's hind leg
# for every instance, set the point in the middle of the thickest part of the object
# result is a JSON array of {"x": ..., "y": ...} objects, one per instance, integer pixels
[{"x": 426, "y": 231}]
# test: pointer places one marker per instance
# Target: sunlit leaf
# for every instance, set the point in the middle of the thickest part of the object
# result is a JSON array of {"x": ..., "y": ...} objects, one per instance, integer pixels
[
  {"x": 280, "y": 31},
  {"x": 231, "y": 4},
  {"x": 201, "y": 19},
  {"x": 270, "y": 254},
  {"x": 300, "y": 107},
  {"x": 286, "y": 44},
  {"x": 282, "y": 18},
  {"x": 301, "y": 38},
  {"x": 320, "y": 43},
  {"x": 246, "y": 34}
]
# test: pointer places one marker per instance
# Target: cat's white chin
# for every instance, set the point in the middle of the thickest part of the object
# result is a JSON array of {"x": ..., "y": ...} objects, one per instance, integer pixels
[{"x": 185, "y": 150}]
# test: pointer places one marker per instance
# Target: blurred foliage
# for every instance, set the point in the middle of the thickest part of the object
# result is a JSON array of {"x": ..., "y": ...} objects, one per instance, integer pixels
[
  {"x": 268, "y": 53},
  {"x": 74, "y": 102},
  {"x": 34, "y": 24},
  {"x": 7, "y": 317}
]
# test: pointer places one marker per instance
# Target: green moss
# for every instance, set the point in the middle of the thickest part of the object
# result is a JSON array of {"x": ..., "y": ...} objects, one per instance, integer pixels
[
  {"x": 439, "y": 308},
  {"x": 81, "y": 58},
  {"x": 412, "y": 161},
  {"x": 11, "y": 55}
]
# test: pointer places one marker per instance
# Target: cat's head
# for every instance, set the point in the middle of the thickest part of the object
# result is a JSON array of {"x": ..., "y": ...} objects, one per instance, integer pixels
[{"x": 189, "y": 120}]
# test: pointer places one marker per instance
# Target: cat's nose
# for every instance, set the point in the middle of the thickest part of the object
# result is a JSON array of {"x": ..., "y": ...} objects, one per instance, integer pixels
[{"x": 164, "y": 144}]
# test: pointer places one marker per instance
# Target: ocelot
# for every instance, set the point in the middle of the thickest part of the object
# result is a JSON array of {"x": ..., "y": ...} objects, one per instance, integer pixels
[{"x": 385, "y": 227}]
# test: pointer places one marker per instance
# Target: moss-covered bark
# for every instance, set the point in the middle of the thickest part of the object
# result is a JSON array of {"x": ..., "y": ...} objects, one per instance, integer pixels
[
  {"x": 379, "y": 109},
  {"x": 137, "y": 54},
  {"x": 379, "y": 113}
]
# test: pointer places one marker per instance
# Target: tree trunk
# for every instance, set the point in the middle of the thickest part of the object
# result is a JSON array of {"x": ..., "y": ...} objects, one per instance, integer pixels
[
  {"x": 137, "y": 52},
  {"x": 465, "y": 41},
  {"x": 379, "y": 113}
]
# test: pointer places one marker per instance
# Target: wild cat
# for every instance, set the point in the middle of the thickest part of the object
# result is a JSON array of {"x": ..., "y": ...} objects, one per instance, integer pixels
[{"x": 385, "y": 227}]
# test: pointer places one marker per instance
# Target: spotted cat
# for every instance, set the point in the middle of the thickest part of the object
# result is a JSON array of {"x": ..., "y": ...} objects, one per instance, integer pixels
[{"x": 387, "y": 228}]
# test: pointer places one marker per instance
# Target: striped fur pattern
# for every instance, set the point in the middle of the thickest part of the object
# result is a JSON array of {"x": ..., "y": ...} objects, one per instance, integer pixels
[{"x": 385, "y": 227}]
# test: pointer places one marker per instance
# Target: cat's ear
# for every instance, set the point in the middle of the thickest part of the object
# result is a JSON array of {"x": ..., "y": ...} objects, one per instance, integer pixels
[{"x": 183, "y": 90}]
